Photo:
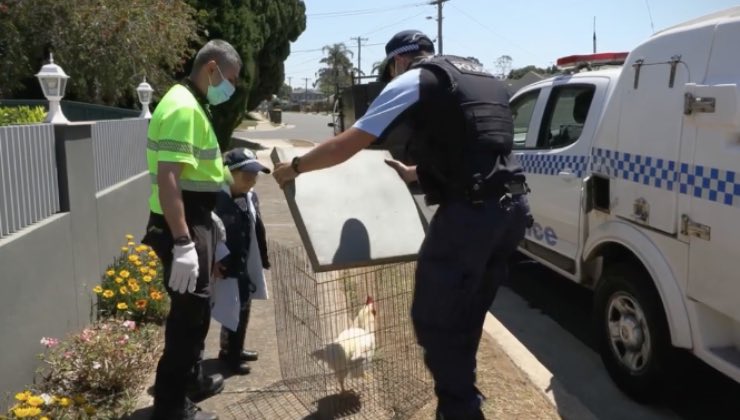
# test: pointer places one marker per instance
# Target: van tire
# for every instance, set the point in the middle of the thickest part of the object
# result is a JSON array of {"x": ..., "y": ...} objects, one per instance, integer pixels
[{"x": 638, "y": 357}]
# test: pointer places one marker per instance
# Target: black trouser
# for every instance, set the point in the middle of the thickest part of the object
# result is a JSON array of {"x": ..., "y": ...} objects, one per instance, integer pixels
[
  {"x": 189, "y": 316},
  {"x": 232, "y": 342},
  {"x": 462, "y": 262}
]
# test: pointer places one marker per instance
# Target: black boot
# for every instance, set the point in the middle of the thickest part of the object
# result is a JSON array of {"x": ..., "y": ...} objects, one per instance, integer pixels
[
  {"x": 245, "y": 356},
  {"x": 202, "y": 387}
]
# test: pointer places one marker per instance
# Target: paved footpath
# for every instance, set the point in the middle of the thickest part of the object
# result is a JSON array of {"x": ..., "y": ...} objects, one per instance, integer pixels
[{"x": 526, "y": 401}]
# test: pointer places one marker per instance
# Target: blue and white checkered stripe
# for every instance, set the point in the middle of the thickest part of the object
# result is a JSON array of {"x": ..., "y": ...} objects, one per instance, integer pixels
[
  {"x": 712, "y": 184},
  {"x": 552, "y": 164},
  {"x": 645, "y": 170}
]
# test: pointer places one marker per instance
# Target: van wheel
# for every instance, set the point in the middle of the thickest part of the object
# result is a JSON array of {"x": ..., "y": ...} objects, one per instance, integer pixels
[{"x": 632, "y": 332}]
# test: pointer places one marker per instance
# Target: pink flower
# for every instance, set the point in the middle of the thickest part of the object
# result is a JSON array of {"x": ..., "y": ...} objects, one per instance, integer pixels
[
  {"x": 49, "y": 342},
  {"x": 123, "y": 340},
  {"x": 131, "y": 325},
  {"x": 87, "y": 335}
]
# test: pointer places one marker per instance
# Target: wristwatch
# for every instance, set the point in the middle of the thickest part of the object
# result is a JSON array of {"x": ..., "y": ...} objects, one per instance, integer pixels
[
  {"x": 182, "y": 240},
  {"x": 294, "y": 164}
]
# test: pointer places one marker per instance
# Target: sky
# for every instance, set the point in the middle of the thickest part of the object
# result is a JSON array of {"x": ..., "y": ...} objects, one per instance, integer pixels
[{"x": 535, "y": 32}]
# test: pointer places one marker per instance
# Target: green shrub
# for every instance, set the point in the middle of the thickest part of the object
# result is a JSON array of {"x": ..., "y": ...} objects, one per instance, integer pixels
[{"x": 18, "y": 115}]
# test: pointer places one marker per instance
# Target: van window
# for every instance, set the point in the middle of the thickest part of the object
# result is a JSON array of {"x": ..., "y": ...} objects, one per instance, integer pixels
[
  {"x": 522, "y": 109},
  {"x": 565, "y": 115}
]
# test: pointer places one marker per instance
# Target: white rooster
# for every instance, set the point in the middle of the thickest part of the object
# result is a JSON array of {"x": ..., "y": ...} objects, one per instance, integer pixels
[{"x": 353, "y": 348}]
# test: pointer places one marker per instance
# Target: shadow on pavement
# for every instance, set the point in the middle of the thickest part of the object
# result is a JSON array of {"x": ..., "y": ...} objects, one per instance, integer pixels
[{"x": 551, "y": 316}]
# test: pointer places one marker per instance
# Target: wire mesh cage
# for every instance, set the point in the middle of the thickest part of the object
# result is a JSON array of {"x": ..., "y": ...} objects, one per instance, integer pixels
[{"x": 345, "y": 341}]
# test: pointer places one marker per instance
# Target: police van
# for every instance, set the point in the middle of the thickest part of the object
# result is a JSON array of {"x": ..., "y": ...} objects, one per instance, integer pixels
[{"x": 634, "y": 164}]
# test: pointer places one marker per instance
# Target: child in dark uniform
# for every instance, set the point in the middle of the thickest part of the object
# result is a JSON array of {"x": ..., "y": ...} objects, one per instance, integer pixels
[{"x": 247, "y": 245}]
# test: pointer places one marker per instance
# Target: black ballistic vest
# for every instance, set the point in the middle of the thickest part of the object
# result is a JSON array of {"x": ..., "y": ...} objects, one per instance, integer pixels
[{"x": 464, "y": 132}]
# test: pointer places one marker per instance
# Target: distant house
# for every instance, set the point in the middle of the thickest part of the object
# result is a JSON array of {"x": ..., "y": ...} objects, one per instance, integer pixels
[
  {"x": 301, "y": 95},
  {"x": 529, "y": 78}
]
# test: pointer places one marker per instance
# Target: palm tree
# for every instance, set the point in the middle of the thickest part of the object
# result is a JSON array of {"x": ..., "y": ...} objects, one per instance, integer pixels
[{"x": 337, "y": 71}]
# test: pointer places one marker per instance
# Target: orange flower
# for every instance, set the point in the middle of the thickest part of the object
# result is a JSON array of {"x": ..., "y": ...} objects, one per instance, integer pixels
[
  {"x": 141, "y": 304},
  {"x": 155, "y": 295}
]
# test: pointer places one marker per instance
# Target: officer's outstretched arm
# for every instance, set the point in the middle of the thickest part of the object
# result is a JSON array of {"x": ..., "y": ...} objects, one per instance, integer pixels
[{"x": 330, "y": 153}]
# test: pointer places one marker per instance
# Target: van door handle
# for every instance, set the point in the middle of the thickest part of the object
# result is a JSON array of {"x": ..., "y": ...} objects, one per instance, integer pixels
[{"x": 567, "y": 175}]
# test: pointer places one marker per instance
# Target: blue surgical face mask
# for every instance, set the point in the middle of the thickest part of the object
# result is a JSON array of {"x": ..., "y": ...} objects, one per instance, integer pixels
[{"x": 220, "y": 93}]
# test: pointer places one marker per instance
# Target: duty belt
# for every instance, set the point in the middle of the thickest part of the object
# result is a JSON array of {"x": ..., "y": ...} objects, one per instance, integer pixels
[{"x": 482, "y": 191}]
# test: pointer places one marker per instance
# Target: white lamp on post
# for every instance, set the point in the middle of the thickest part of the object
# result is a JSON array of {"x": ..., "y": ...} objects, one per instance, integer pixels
[
  {"x": 144, "y": 90},
  {"x": 53, "y": 82}
]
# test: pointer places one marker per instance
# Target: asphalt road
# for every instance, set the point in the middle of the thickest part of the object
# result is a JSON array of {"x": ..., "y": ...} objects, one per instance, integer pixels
[
  {"x": 551, "y": 316},
  {"x": 311, "y": 127}
]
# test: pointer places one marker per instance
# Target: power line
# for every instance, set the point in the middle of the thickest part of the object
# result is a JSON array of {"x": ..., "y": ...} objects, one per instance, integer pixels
[
  {"x": 358, "y": 12},
  {"x": 393, "y": 24},
  {"x": 495, "y": 33}
]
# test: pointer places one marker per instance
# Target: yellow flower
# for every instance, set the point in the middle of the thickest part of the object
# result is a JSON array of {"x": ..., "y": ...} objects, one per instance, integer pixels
[
  {"x": 122, "y": 306},
  {"x": 147, "y": 279},
  {"x": 110, "y": 273},
  {"x": 44, "y": 418},
  {"x": 22, "y": 396},
  {"x": 152, "y": 254},
  {"x": 125, "y": 274},
  {"x": 135, "y": 288},
  {"x": 35, "y": 401},
  {"x": 138, "y": 263},
  {"x": 124, "y": 248},
  {"x": 123, "y": 290},
  {"x": 65, "y": 402},
  {"x": 89, "y": 410},
  {"x": 144, "y": 270},
  {"x": 97, "y": 289},
  {"x": 119, "y": 280},
  {"x": 132, "y": 281},
  {"x": 108, "y": 293},
  {"x": 22, "y": 412},
  {"x": 155, "y": 295},
  {"x": 141, "y": 304},
  {"x": 133, "y": 257},
  {"x": 129, "y": 237},
  {"x": 152, "y": 264},
  {"x": 141, "y": 248},
  {"x": 131, "y": 244}
]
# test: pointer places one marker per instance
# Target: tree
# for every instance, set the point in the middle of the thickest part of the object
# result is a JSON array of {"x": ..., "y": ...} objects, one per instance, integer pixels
[
  {"x": 336, "y": 73},
  {"x": 106, "y": 46},
  {"x": 476, "y": 61},
  {"x": 515, "y": 74},
  {"x": 261, "y": 32},
  {"x": 503, "y": 65}
]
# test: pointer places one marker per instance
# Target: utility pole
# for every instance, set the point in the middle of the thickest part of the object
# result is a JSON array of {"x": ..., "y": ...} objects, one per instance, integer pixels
[
  {"x": 305, "y": 92},
  {"x": 359, "y": 40},
  {"x": 439, "y": 24},
  {"x": 290, "y": 83}
]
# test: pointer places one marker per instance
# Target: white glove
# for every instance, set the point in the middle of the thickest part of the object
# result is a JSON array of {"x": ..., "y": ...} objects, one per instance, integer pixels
[
  {"x": 184, "y": 268},
  {"x": 219, "y": 225}
]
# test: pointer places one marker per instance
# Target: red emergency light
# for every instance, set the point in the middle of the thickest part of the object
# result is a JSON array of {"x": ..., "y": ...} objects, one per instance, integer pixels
[{"x": 600, "y": 59}]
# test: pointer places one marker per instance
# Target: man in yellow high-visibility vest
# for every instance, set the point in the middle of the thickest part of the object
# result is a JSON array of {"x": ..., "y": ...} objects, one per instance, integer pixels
[{"x": 186, "y": 172}]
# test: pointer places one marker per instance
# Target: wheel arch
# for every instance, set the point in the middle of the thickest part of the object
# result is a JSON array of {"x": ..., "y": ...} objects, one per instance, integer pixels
[{"x": 617, "y": 242}]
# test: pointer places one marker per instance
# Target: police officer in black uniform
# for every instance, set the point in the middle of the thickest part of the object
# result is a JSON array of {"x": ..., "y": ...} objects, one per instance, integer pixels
[{"x": 460, "y": 153}]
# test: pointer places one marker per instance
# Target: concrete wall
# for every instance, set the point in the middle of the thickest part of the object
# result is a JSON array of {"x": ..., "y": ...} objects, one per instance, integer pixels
[
  {"x": 47, "y": 270},
  {"x": 127, "y": 203}
]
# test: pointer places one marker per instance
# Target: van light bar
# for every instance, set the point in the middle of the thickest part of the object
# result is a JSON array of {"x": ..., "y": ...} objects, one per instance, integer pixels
[{"x": 600, "y": 59}]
